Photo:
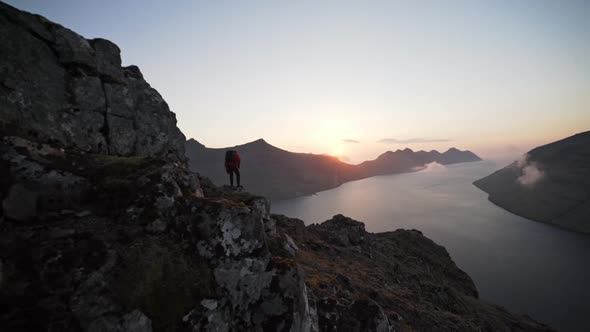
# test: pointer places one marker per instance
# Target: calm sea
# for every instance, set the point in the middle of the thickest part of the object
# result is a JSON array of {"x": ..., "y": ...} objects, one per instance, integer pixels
[{"x": 525, "y": 266}]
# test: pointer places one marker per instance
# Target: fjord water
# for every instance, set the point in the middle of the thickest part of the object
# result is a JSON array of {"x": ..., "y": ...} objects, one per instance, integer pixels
[{"x": 528, "y": 267}]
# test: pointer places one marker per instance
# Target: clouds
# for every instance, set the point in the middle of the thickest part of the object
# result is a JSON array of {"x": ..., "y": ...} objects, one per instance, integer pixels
[
  {"x": 349, "y": 140},
  {"x": 531, "y": 173},
  {"x": 412, "y": 140},
  {"x": 435, "y": 167}
]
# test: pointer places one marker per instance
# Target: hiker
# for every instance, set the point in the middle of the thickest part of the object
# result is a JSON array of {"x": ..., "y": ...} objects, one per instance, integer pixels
[{"x": 232, "y": 165}]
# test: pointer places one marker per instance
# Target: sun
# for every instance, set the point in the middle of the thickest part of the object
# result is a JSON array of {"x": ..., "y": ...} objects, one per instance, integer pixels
[{"x": 337, "y": 152}]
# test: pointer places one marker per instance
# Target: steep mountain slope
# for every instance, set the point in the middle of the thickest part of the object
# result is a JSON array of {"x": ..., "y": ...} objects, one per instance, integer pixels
[
  {"x": 111, "y": 232},
  {"x": 280, "y": 174},
  {"x": 550, "y": 184},
  {"x": 267, "y": 170}
]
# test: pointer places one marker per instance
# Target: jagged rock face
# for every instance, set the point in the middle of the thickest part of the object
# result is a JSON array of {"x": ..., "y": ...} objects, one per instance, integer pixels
[
  {"x": 139, "y": 248},
  {"x": 103, "y": 228},
  {"x": 58, "y": 88},
  {"x": 397, "y": 280},
  {"x": 261, "y": 286},
  {"x": 80, "y": 254}
]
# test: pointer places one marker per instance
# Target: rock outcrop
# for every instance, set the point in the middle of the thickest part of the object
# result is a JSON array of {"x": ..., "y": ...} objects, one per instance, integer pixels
[
  {"x": 59, "y": 88},
  {"x": 138, "y": 247},
  {"x": 550, "y": 184},
  {"x": 396, "y": 280},
  {"x": 279, "y": 174},
  {"x": 104, "y": 228}
]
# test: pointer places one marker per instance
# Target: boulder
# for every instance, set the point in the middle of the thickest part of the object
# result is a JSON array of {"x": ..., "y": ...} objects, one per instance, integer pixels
[{"x": 342, "y": 230}]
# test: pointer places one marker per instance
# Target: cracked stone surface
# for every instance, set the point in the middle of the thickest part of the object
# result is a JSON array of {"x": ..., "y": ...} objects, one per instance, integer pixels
[{"x": 58, "y": 87}]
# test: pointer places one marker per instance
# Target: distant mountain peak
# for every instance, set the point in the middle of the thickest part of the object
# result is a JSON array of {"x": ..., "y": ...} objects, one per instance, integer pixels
[
  {"x": 192, "y": 140},
  {"x": 386, "y": 153},
  {"x": 260, "y": 142},
  {"x": 194, "y": 143}
]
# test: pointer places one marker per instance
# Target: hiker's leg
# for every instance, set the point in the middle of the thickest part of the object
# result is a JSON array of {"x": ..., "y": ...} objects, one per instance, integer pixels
[
  {"x": 231, "y": 178},
  {"x": 238, "y": 176}
]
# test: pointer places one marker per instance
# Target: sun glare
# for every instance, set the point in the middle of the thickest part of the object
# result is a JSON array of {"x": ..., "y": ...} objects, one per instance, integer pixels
[{"x": 337, "y": 152}]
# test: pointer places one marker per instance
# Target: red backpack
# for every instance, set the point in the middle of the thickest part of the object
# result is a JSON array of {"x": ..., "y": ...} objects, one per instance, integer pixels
[{"x": 232, "y": 159}]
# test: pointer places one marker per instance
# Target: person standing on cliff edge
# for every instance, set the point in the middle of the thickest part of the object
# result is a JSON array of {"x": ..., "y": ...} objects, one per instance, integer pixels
[{"x": 232, "y": 165}]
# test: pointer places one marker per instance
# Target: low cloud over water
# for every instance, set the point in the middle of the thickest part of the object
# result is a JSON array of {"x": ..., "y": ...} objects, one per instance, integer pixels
[{"x": 531, "y": 174}]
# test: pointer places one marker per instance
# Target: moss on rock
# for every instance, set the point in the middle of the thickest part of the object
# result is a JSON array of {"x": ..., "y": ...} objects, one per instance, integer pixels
[{"x": 161, "y": 281}]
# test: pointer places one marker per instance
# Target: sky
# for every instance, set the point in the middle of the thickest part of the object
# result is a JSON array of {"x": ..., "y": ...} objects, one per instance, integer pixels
[{"x": 355, "y": 78}]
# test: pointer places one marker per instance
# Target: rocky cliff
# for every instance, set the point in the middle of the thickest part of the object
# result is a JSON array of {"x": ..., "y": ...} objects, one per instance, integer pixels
[
  {"x": 61, "y": 89},
  {"x": 360, "y": 280},
  {"x": 280, "y": 174},
  {"x": 549, "y": 184},
  {"x": 103, "y": 227}
]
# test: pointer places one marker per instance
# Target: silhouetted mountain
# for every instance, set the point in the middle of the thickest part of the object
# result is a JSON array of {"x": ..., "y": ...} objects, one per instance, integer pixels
[
  {"x": 406, "y": 160},
  {"x": 550, "y": 184},
  {"x": 279, "y": 174},
  {"x": 267, "y": 169},
  {"x": 454, "y": 156}
]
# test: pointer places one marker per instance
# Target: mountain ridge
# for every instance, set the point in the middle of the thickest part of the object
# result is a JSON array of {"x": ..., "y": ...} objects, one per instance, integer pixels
[
  {"x": 308, "y": 172},
  {"x": 549, "y": 184}
]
